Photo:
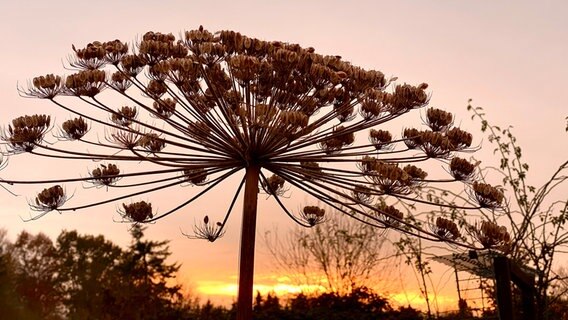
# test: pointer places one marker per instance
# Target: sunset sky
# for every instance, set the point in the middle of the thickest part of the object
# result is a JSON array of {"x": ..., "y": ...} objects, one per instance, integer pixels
[{"x": 510, "y": 57}]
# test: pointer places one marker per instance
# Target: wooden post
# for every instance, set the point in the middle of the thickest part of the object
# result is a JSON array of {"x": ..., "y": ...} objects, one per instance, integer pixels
[
  {"x": 525, "y": 282},
  {"x": 248, "y": 232},
  {"x": 504, "y": 295},
  {"x": 505, "y": 272}
]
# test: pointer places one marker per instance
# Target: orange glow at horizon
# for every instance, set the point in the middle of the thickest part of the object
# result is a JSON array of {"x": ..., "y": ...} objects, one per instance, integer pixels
[{"x": 225, "y": 293}]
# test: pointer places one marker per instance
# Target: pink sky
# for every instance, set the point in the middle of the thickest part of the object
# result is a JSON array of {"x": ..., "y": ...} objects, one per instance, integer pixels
[{"x": 509, "y": 56}]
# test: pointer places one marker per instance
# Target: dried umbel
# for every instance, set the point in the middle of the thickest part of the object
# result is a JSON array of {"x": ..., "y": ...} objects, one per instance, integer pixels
[
  {"x": 373, "y": 105},
  {"x": 362, "y": 194},
  {"x": 46, "y": 87},
  {"x": 367, "y": 164},
  {"x": 137, "y": 212},
  {"x": 152, "y": 142},
  {"x": 462, "y": 169},
  {"x": 412, "y": 138},
  {"x": 264, "y": 115},
  {"x": 207, "y": 230},
  {"x": 388, "y": 215},
  {"x": 132, "y": 64},
  {"x": 459, "y": 139},
  {"x": 96, "y": 54},
  {"x": 415, "y": 173},
  {"x": 124, "y": 116},
  {"x": 274, "y": 185},
  {"x": 85, "y": 83},
  {"x": 48, "y": 82},
  {"x": 487, "y": 196},
  {"x": 164, "y": 107},
  {"x": 74, "y": 129},
  {"x": 49, "y": 199},
  {"x": 439, "y": 120},
  {"x": 389, "y": 178},
  {"x": 222, "y": 102},
  {"x": 290, "y": 122},
  {"x": 120, "y": 81},
  {"x": 311, "y": 170},
  {"x": 199, "y": 130},
  {"x": 492, "y": 236},
  {"x": 90, "y": 57},
  {"x": 408, "y": 97},
  {"x": 446, "y": 229},
  {"x": 105, "y": 175},
  {"x": 126, "y": 139},
  {"x": 156, "y": 46},
  {"x": 26, "y": 132},
  {"x": 156, "y": 89},
  {"x": 380, "y": 139},
  {"x": 339, "y": 139},
  {"x": 312, "y": 215},
  {"x": 435, "y": 144},
  {"x": 195, "y": 176},
  {"x": 115, "y": 50},
  {"x": 345, "y": 112}
]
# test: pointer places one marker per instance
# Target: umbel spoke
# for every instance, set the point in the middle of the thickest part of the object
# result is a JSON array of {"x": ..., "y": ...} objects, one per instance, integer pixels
[{"x": 196, "y": 110}]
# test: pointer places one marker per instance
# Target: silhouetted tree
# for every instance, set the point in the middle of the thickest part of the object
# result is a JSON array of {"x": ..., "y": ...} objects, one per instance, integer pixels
[
  {"x": 360, "y": 303},
  {"x": 209, "y": 311},
  {"x": 35, "y": 273},
  {"x": 148, "y": 280},
  {"x": 536, "y": 216},
  {"x": 11, "y": 306},
  {"x": 268, "y": 308},
  {"x": 416, "y": 256},
  {"x": 337, "y": 255},
  {"x": 89, "y": 275}
]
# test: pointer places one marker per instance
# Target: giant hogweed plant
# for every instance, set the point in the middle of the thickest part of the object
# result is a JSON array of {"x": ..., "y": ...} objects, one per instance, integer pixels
[{"x": 208, "y": 106}]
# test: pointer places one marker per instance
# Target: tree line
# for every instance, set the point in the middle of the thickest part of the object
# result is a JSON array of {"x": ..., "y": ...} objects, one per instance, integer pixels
[{"x": 89, "y": 277}]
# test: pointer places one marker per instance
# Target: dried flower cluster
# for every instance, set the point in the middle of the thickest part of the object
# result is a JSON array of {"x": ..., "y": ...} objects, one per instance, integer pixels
[
  {"x": 25, "y": 133},
  {"x": 491, "y": 235},
  {"x": 274, "y": 185},
  {"x": 137, "y": 212},
  {"x": 313, "y": 215},
  {"x": 207, "y": 231},
  {"x": 49, "y": 199},
  {"x": 73, "y": 129},
  {"x": 446, "y": 229},
  {"x": 462, "y": 169},
  {"x": 488, "y": 196},
  {"x": 387, "y": 214},
  {"x": 105, "y": 175}
]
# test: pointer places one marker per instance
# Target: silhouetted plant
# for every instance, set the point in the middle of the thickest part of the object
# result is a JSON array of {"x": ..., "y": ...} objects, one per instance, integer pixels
[
  {"x": 361, "y": 303},
  {"x": 220, "y": 103},
  {"x": 337, "y": 256},
  {"x": 35, "y": 266},
  {"x": 535, "y": 217},
  {"x": 15, "y": 283},
  {"x": 87, "y": 271},
  {"x": 148, "y": 278}
]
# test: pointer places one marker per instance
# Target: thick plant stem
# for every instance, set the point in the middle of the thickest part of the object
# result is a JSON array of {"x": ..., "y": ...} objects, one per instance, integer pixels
[{"x": 248, "y": 232}]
